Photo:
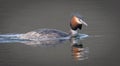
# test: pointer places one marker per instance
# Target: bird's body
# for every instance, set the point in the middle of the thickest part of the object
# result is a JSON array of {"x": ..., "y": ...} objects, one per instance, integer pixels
[
  {"x": 44, "y": 34},
  {"x": 75, "y": 23}
]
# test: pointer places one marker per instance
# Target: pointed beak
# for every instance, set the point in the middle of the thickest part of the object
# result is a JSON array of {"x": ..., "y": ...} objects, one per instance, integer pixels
[{"x": 83, "y": 22}]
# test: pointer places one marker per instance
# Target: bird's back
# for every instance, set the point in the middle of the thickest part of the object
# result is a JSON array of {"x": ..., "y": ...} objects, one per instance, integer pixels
[{"x": 44, "y": 34}]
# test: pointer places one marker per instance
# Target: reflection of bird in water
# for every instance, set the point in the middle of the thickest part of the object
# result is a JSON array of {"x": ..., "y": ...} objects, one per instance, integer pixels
[
  {"x": 76, "y": 22},
  {"x": 78, "y": 51}
]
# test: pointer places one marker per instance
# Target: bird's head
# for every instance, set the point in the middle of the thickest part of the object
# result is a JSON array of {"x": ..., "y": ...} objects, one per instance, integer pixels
[{"x": 76, "y": 23}]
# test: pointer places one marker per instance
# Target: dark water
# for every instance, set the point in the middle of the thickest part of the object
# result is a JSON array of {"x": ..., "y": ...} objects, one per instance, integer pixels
[{"x": 20, "y": 16}]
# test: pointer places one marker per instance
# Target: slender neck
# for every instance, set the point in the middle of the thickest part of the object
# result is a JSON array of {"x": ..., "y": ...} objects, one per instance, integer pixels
[{"x": 73, "y": 32}]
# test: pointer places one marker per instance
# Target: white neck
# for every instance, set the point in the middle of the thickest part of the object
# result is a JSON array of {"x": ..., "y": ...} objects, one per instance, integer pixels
[{"x": 74, "y": 32}]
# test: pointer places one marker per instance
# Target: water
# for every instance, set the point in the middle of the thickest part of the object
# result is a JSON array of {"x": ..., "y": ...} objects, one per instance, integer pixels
[
  {"x": 13, "y": 38},
  {"x": 101, "y": 48}
]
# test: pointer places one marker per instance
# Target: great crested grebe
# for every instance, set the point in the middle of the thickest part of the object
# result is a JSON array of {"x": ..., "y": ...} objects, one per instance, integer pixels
[{"x": 75, "y": 23}]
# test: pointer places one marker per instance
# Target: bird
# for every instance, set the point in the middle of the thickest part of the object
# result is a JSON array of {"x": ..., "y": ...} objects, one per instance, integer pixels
[{"x": 47, "y": 34}]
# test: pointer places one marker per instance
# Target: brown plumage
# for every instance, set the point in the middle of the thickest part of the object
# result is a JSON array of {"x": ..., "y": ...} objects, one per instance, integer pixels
[{"x": 74, "y": 23}]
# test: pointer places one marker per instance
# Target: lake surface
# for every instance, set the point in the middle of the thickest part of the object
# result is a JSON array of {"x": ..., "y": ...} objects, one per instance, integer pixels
[{"x": 21, "y": 16}]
